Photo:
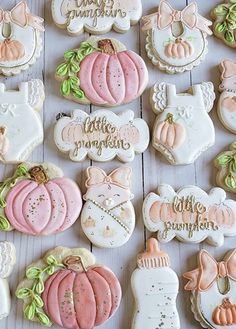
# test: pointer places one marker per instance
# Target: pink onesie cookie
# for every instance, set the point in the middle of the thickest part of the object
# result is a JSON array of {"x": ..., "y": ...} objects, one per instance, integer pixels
[{"x": 102, "y": 72}]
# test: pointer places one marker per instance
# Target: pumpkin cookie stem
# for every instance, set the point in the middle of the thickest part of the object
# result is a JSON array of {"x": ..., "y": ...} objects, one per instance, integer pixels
[
  {"x": 38, "y": 174},
  {"x": 2, "y": 130},
  {"x": 75, "y": 263},
  {"x": 107, "y": 47},
  {"x": 170, "y": 118}
]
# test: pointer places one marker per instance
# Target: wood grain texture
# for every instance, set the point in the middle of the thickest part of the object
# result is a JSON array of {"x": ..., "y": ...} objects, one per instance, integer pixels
[{"x": 149, "y": 169}]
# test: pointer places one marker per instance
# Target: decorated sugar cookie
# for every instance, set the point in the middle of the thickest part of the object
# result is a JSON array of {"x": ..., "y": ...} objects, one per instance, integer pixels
[
  {"x": 213, "y": 287},
  {"x": 21, "y": 129},
  {"x": 190, "y": 214},
  {"x": 225, "y": 163},
  {"x": 68, "y": 289},
  {"x": 7, "y": 262},
  {"x": 224, "y": 19},
  {"x": 108, "y": 217},
  {"x": 20, "y": 39},
  {"x": 39, "y": 200},
  {"x": 96, "y": 16},
  {"x": 176, "y": 40},
  {"x": 101, "y": 135},
  {"x": 227, "y": 101},
  {"x": 183, "y": 129},
  {"x": 155, "y": 287},
  {"x": 102, "y": 72}
]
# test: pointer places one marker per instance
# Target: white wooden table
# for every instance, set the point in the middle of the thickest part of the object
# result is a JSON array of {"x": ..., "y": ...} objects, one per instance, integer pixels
[{"x": 149, "y": 169}]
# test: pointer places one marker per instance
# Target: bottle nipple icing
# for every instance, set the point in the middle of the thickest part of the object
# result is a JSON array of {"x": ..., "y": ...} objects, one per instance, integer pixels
[{"x": 153, "y": 257}]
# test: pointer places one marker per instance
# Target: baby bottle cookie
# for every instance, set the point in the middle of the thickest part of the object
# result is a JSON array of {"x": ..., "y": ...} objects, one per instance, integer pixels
[
  {"x": 227, "y": 101},
  {"x": 96, "y": 16},
  {"x": 39, "y": 200},
  {"x": 213, "y": 287},
  {"x": 108, "y": 217},
  {"x": 155, "y": 287},
  {"x": 176, "y": 40},
  {"x": 20, "y": 39},
  {"x": 183, "y": 129},
  {"x": 7, "y": 262},
  {"x": 102, "y": 72},
  {"x": 68, "y": 289},
  {"x": 101, "y": 135},
  {"x": 21, "y": 129}
]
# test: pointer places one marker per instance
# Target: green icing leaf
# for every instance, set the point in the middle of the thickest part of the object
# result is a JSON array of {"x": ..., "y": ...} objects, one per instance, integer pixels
[
  {"x": 65, "y": 88},
  {"x": 33, "y": 273},
  {"x": 223, "y": 159},
  {"x": 221, "y": 27},
  {"x": 4, "y": 224},
  {"x": 2, "y": 203},
  {"x": 43, "y": 319},
  {"x": 30, "y": 311},
  {"x": 221, "y": 10},
  {"x": 233, "y": 165},
  {"x": 231, "y": 25},
  {"x": 70, "y": 54},
  {"x": 23, "y": 293},
  {"x": 38, "y": 301},
  {"x": 62, "y": 70},
  {"x": 51, "y": 260},
  {"x": 232, "y": 1},
  {"x": 78, "y": 94},
  {"x": 21, "y": 170},
  {"x": 50, "y": 270},
  {"x": 230, "y": 181},
  {"x": 74, "y": 67},
  {"x": 229, "y": 36},
  {"x": 39, "y": 288}
]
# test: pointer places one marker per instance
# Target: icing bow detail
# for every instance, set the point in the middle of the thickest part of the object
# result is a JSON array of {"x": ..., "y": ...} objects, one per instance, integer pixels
[
  {"x": 209, "y": 271},
  {"x": 120, "y": 177},
  {"x": 21, "y": 16},
  {"x": 166, "y": 16}
]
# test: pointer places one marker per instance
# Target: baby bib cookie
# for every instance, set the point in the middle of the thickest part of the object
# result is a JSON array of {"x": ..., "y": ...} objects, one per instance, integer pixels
[
  {"x": 225, "y": 163},
  {"x": 96, "y": 16},
  {"x": 21, "y": 129},
  {"x": 101, "y": 135},
  {"x": 39, "y": 200},
  {"x": 7, "y": 262},
  {"x": 20, "y": 39},
  {"x": 108, "y": 217},
  {"x": 190, "y": 215},
  {"x": 183, "y": 129},
  {"x": 176, "y": 40},
  {"x": 227, "y": 102},
  {"x": 224, "y": 19},
  {"x": 68, "y": 289},
  {"x": 155, "y": 288},
  {"x": 102, "y": 72},
  {"x": 213, "y": 287}
]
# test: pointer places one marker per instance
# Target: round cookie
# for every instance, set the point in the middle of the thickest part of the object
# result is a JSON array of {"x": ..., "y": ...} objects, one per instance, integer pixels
[{"x": 102, "y": 72}]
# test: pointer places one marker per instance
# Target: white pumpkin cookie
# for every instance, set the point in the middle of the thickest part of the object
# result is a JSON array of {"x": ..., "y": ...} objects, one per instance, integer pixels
[
  {"x": 176, "y": 40},
  {"x": 183, "y": 129}
]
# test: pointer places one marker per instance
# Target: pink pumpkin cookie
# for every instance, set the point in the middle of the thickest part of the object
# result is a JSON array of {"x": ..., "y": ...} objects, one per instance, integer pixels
[
  {"x": 102, "y": 72},
  {"x": 69, "y": 290},
  {"x": 39, "y": 200}
]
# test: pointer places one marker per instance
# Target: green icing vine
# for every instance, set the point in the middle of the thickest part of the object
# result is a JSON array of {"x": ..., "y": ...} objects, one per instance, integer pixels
[
  {"x": 226, "y": 160},
  {"x": 34, "y": 309},
  {"x": 68, "y": 71},
  {"x": 21, "y": 172},
  {"x": 226, "y": 13}
]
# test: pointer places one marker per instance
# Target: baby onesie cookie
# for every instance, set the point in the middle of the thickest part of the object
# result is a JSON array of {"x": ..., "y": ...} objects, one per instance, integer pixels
[
  {"x": 190, "y": 215},
  {"x": 96, "y": 16},
  {"x": 102, "y": 72},
  {"x": 224, "y": 19},
  {"x": 101, "y": 135},
  {"x": 155, "y": 287},
  {"x": 39, "y": 200},
  {"x": 7, "y": 262},
  {"x": 67, "y": 288},
  {"x": 226, "y": 169},
  {"x": 108, "y": 217},
  {"x": 21, "y": 129},
  {"x": 176, "y": 40},
  {"x": 20, "y": 39},
  {"x": 183, "y": 130},
  {"x": 213, "y": 287},
  {"x": 227, "y": 102}
]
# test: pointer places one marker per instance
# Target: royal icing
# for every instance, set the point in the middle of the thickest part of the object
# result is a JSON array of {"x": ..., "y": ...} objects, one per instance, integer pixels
[
  {"x": 227, "y": 101},
  {"x": 101, "y": 135},
  {"x": 176, "y": 40},
  {"x": 155, "y": 287},
  {"x": 108, "y": 217},
  {"x": 224, "y": 22},
  {"x": 21, "y": 129},
  {"x": 39, "y": 200},
  {"x": 213, "y": 287},
  {"x": 190, "y": 214},
  {"x": 96, "y": 16},
  {"x": 183, "y": 130},
  {"x": 7, "y": 262},
  {"x": 20, "y": 39},
  {"x": 225, "y": 163},
  {"x": 102, "y": 72},
  {"x": 68, "y": 289}
]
